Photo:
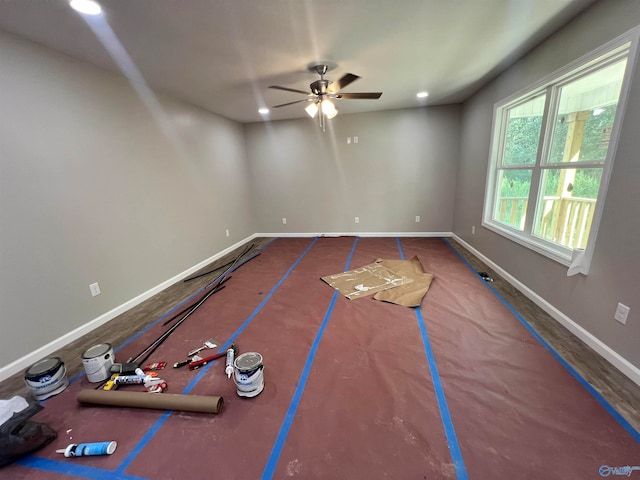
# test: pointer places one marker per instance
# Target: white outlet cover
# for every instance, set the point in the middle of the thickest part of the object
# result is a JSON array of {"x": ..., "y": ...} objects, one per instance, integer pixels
[
  {"x": 95, "y": 289},
  {"x": 284, "y": 221},
  {"x": 622, "y": 312},
  {"x": 357, "y": 220}
]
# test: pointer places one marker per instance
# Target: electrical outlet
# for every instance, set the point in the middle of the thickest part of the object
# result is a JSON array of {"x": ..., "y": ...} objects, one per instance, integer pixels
[
  {"x": 95, "y": 289},
  {"x": 357, "y": 220},
  {"x": 355, "y": 139},
  {"x": 473, "y": 230},
  {"x": 227, "y": 232},
  {"x": 622, "y": 312},
  {"x": 284, "y": 221},
  {"x": 417, "y": 218}
]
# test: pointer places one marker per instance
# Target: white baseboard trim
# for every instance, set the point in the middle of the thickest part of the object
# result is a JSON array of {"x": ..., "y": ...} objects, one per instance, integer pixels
[
  {"x": 356, "y": 234},
  {"x": 606, "y": 352},
  {"x": 26, "y": 361}
]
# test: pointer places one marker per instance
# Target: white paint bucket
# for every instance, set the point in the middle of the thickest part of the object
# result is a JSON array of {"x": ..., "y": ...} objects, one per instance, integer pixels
[
  {"x": 97, "y": 362},
  {"x": 46, "y": 378},
  {"x": 248, "y": 374}
]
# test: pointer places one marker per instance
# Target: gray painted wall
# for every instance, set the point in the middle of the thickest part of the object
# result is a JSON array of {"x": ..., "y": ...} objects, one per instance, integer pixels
[
  {"x": 589, "y": 301},
  {"x": 404, "y": 164},
  {"x": 95, "y": 188}
]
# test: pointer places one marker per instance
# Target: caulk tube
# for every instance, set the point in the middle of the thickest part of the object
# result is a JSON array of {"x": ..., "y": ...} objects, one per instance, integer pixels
[
  {"x": 86, "y": 449},
  {"x": 130, "y": 379},
  {"x": 228, "y": 369}
]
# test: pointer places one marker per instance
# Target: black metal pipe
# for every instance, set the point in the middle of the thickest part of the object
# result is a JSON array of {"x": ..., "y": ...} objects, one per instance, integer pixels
[
  {"x": 191, "y": 306},
  {"x": 207, "y": 273},
  {"x": 160, "y": 340},
  {"x": 142, "y": 356}
]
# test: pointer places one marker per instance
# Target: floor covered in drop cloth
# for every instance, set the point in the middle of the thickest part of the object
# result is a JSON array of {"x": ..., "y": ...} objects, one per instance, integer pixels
[{"x": 459, "y": 388}]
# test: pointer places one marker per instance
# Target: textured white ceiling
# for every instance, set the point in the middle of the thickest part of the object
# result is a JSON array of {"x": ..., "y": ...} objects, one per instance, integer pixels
[{"x": 222, "y": 55}]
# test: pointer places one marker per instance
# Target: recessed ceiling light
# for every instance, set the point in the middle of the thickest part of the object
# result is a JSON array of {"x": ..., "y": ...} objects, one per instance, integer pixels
[
  {"x": 88, "y": 7},
  {"x": 263, "y": 111},
  {"x": 422, "y": 94}
]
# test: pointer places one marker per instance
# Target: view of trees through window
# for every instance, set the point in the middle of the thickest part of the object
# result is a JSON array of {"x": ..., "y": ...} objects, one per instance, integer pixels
[{"x": 523, "y": 136}]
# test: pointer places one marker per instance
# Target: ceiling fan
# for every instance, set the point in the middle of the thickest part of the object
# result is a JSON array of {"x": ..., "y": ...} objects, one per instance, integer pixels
[{"x": 323, "y": 91}]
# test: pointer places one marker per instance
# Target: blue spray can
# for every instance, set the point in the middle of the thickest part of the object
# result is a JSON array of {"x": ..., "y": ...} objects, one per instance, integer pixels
[{"x": 84, "y": 449}]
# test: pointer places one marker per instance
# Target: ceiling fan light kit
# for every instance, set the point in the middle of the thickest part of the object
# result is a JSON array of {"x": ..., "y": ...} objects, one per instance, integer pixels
[
  {"x": 311, "y": 109},
  {"x": 323, "y": 92},
  {"x": 329, "y": 109}
]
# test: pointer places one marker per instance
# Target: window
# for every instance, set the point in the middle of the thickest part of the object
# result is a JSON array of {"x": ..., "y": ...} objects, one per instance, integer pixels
[{"x": 552, "y": 151}]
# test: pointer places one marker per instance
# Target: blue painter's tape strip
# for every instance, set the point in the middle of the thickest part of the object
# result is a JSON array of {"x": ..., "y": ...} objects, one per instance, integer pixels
[
  {"x": 608, "y": 407},
  {"x": 267, "y": 297},
  {"x": 65, "y": 468},
  {"x": 447, "y": 421},
  {"x": 249, "y": 319},
  {"x": 160, "y": 422},
  {"x": 135, "y": 451},
  {"x": 276, "y": 451},
  {"x": 445, "y": 415},
  {"x": 71, "y": 380}
]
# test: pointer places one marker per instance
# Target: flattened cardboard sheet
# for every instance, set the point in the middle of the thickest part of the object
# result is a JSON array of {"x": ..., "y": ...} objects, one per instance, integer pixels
[
  {"x": 402, "y": 282},
  {"x": 366, "y": 280},
  {"x": 409, "y": 295}
]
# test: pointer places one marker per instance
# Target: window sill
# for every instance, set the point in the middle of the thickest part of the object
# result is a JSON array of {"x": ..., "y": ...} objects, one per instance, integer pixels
[{"x": 558, "y": 254}]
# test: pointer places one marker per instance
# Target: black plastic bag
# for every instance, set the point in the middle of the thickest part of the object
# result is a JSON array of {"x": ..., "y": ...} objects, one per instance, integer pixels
[{"x": 20, "y": 436}]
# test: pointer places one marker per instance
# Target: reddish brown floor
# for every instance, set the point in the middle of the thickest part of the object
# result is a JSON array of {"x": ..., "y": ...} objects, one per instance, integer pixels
[{"x": 366, "y": 405}]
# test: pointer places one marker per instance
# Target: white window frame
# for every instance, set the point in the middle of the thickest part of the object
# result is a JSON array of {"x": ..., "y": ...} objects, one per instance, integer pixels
[{"x": 550, "y": 84}]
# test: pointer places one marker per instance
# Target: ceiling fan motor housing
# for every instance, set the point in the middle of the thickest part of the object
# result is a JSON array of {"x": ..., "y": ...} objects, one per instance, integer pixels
[{"x": 319, "y": 87}]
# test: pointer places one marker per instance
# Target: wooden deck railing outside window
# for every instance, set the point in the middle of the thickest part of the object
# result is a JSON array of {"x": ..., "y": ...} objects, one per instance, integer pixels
[{"x": 565, "y": 220}]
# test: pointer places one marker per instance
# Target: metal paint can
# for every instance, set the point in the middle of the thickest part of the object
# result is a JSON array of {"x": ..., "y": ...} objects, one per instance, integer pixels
[
  {"x": 97, "y": 362},
  {"x": 248, "y": 374},
  {"x": 46, "y": 378}
]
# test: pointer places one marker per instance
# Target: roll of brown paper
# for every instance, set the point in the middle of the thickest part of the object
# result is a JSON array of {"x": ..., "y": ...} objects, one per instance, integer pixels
[{"x": 158, "y": 401}]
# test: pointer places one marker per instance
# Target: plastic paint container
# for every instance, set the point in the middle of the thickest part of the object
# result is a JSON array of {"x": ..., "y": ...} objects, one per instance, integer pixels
[
  {"x": 46, "y": 378},
  {"x": 97, "y": 362},
  {"x": 85, "y": 449},
  {"x": 248, "y": 374}
]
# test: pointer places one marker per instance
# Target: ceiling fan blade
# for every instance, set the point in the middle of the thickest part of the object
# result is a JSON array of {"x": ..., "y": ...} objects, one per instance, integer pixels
[
  {"x": 290, "y": 103},
  {"x": 359, "y": 96},
  {"x": 345, "y": 80},
  {"x": 287, "y": 89}
]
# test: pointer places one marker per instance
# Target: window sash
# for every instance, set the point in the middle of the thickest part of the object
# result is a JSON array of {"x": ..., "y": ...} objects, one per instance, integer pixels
[{"x": 624, "y": 47}]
